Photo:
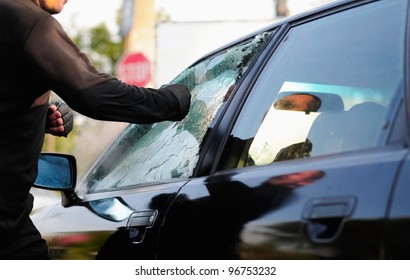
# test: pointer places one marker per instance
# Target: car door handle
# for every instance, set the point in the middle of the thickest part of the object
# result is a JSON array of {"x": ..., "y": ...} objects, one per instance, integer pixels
[
  {"x": 325, "y": 217},
  {"x": 138, "y": 222},
  {"x": 145, "y": 218}
]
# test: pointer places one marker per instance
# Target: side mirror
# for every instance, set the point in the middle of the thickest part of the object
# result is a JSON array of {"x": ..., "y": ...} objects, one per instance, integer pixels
[{"x": 57, "y": 172}]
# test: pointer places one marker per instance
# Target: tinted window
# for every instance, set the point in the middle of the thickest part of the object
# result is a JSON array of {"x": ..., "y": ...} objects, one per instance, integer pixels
[
  {"x": 327, "y": 89},
  {"x": 167, "y": 150}
]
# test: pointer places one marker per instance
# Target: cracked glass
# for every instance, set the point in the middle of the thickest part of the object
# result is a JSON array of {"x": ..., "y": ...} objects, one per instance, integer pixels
[{"x": 167, "y": 150}]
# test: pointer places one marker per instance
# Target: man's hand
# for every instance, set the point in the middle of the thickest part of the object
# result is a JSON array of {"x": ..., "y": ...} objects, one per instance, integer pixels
[{"x": 59, "y": 120}]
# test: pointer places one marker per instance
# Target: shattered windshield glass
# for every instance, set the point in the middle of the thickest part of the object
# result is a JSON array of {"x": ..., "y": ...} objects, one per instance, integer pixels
[{"x": 167, "y": 150}]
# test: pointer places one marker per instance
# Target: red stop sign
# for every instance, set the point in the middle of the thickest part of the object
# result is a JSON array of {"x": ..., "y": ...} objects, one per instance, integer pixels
[{"x": 134, "y": 69}]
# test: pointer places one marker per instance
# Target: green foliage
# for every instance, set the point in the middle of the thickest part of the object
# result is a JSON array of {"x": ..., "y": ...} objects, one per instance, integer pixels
[
  {"x": 101, "y": 46},
  {"x": 57, "y": 144}
]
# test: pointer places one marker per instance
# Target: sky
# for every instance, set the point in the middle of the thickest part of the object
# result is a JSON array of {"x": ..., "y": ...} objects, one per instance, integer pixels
[
  {"x": 82, "y": 14},
  {"x": 79, "y": 14}
]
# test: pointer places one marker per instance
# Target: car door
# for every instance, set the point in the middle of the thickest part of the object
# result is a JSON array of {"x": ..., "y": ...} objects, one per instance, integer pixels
[
  {"x": 397, "y": 244},
  {"x": 117, "y": 209},
  {"x": 309, "y": 163}
]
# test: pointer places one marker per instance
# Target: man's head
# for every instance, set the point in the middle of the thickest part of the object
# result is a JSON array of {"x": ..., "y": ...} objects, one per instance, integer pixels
[
  {"x": 51, "y": 6},
  {"x": 303, "y": 102}
]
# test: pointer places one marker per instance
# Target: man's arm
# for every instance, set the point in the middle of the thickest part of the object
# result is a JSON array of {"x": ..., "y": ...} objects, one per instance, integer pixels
[{"x": 69, "y": 73}]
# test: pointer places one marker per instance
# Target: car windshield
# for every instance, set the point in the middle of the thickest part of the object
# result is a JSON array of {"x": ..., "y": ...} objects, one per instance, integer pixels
[{"x": 168, "y": 150}]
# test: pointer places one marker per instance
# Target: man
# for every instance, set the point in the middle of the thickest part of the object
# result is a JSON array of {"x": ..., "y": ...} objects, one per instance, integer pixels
[{"x": 37, "y": 56}]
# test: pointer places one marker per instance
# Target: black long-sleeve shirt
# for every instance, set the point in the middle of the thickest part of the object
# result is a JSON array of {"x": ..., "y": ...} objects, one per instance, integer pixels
[{"x": 36, "y": 56}]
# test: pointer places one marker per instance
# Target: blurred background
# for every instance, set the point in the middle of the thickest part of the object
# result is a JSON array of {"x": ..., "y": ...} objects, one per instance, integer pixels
[{"x": 149, "y": 42}]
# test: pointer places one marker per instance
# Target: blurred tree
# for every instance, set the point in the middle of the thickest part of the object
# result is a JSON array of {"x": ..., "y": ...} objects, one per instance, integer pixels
[{"x": 103, "y": 48}]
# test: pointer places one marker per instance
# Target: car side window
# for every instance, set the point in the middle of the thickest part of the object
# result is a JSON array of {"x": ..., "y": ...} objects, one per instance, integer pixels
[
  {"x": 168, "y": 150},
  {"x": 330, "y": 87}
]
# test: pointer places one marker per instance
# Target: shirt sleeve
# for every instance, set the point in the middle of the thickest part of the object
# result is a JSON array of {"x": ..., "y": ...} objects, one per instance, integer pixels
[{"x": 69, "y": 73}]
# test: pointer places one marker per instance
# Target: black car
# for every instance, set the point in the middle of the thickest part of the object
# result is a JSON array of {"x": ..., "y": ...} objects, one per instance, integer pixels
[{"x": 296, "y": 147}]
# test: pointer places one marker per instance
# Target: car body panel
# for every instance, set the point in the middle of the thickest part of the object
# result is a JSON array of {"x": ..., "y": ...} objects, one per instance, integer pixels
[
  {"x": 99, "y": 227},
  {"x": 258, "y": 213},
  {"x": 397, "y": 244}
]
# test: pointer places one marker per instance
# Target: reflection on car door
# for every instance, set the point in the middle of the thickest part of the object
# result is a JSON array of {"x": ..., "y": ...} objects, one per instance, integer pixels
[{"x": 310, "y": 209}]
